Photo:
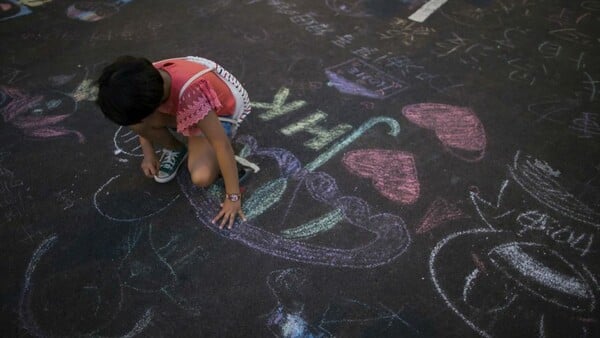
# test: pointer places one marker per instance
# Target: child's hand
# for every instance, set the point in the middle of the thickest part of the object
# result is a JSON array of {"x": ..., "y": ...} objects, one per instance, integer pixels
[
  {"x": 229, "y": 210},
  {"x": 150, "y": 166}
]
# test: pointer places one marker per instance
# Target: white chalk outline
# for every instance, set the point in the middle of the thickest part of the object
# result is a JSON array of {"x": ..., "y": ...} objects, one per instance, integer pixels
[{"x": 134, "y": 219}]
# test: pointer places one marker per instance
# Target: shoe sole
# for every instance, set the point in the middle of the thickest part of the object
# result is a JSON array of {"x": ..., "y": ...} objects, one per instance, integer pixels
[{"x": 172, "y": 176}]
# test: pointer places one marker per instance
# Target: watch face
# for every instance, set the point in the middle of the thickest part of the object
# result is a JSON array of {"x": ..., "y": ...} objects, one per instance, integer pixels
[{"x": 233, "y": 197}]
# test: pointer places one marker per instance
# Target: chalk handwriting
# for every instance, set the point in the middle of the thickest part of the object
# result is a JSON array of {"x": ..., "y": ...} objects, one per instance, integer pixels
[
  {"x": 356, "y": 77},
  {"x": 547, "y": 208}
]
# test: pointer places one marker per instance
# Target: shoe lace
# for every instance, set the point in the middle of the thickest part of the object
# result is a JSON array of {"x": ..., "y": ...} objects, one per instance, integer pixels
[{"x": 169, "y": 159}]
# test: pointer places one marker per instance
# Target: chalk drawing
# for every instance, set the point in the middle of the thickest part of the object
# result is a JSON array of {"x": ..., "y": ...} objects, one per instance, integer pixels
[
  {"x": 322, "y": 136},
  {"x": 590, "y": 86},
  {"x": 458, "y": 128},
  {"x": 352, "y": 8},
  {"x": 10, "y": 9},
  {"x": 292, "y": 290},
  {"x": 336, "y": 148},
  {"x": 26, "y": 317},
  {"x": 278, "y": 107},
  {"x": 390, "y": 235},
  {"x": 588, "y": 125},
  {"x": 544, "y": 206},
  {"x": 142, "y": 269},
  {"x": 520, "y": 281},
  {"x": 114, "y": 212},
  {"x": 287, "y": 319},
  {"x": 393, "y": 173},
  {"x": 315, "y": 226},
  {"x": 439, "y": 212},
  {"x": 357, "y": 77},
  {"x": 126, "y": 142},
  {"x": 540, "y": 181},
  {"x": 13, "y": 194},
  {"x": 591, "y": 5},
  {"x": 30, "y": 113},
  {"x": 91, "y": 11},
  {"x": 34, "y": 3},
  {"x": 560, "y": 284},
  {"x": 426, "y": 10}
]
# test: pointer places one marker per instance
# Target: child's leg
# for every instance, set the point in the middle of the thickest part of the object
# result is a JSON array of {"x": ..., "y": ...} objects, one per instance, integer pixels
[
  {"x": 202, "y": 161},
  {"x": 159, "y": 136}
]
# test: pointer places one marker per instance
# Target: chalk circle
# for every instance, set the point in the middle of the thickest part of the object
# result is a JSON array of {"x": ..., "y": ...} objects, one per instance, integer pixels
[
  {"x": 511, "y": 281},
  {"x": 390, "y": 236},
  {"x": 125, "y": 199}
]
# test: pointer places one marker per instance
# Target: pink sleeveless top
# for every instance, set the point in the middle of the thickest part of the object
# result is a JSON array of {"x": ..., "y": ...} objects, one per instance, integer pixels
[{"x": 205, "y": 94}]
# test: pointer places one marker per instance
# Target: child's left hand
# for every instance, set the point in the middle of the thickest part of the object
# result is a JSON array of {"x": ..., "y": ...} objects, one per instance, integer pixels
[{"x": 228, "y": 213}]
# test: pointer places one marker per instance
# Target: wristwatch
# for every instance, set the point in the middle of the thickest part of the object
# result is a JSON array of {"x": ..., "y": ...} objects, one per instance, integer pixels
[{"x": 233, "y": 197}]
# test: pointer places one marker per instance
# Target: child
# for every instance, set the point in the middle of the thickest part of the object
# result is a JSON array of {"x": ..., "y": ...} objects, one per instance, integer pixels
[{"x": 195, "y": 96}]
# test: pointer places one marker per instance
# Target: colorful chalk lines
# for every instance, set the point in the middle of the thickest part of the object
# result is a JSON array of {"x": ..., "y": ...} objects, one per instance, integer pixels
[
  {"x": 528, "y": 260},
  {"x": 89, "y": 11}
]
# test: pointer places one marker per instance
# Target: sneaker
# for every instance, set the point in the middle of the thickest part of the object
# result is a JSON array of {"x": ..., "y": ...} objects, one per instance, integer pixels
[{"x": 169, "y": 164}]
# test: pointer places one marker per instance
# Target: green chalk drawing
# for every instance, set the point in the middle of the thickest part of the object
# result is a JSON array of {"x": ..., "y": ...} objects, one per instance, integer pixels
[
  {"x": 264, "y": 198},
  {"x": 315, "y": 226}
]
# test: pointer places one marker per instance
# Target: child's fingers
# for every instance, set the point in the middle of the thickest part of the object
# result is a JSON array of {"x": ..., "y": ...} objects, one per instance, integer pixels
[{"x": 242, "y": 216}]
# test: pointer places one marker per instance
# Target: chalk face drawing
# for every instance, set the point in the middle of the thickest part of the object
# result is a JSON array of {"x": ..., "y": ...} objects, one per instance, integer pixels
[
  {"x": 127, "y": 142},
  {"x": 458, "y": 128},
  {"x": 390, "y": 237},
  {"x": 393, "y": 173},
  {"x": 545, "y": 208},
  {"x": 92, "y": 11},
  {"x": 32, "y": 114},
  {"x": 10, "y": 9},
  {"x": 493, "y": 280},
  {"x": 357, "y": 77}
]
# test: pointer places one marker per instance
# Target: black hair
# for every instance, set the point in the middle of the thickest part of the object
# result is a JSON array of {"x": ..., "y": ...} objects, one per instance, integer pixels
[{"x": 129, "y": 89}]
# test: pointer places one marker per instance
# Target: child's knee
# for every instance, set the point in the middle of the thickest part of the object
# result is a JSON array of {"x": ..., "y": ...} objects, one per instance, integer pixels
[{"x": 202, "y": 177}]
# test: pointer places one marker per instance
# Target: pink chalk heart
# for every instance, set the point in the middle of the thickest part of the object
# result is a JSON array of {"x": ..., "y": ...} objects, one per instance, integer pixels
[
  {"x": 457, "y": 127},
  {"x": 393, "y": 173}
]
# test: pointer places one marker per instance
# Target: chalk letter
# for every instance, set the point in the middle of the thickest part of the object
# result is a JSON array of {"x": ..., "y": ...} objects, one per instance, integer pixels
[
  {"x": 322, "y": 136},
  {"x": 278, "y": 108}
]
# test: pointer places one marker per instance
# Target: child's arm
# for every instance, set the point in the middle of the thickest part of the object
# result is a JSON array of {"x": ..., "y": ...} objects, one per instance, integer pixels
[
  {"x": 216, "y": 136},
  {"x": 150, "y": 162}
]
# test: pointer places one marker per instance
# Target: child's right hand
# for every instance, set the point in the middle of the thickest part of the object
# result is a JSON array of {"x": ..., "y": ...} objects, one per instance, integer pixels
[{"x": 150, "y": 166}]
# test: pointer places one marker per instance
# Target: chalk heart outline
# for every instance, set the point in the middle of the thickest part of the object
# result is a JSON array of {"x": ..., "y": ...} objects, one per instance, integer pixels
[
  {"x": 458, "y": 128},
  {"x": 392, "y": 172}
]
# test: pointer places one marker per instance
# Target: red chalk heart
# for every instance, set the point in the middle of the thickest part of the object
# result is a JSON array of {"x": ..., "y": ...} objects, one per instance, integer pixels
[
  {"x": 392, "y": 172},
  {"x": 457, "y": 127}
]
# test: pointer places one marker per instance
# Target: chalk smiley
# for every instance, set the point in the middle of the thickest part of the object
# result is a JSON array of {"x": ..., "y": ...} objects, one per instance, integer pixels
[{"x": 393, "y": 173}]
